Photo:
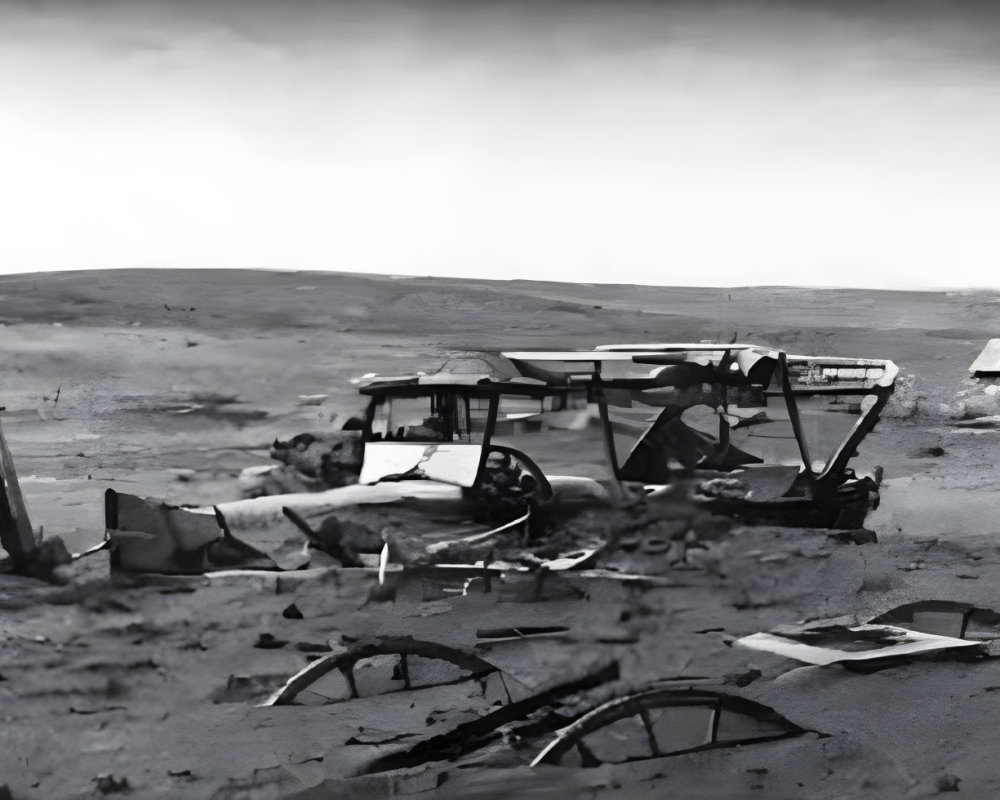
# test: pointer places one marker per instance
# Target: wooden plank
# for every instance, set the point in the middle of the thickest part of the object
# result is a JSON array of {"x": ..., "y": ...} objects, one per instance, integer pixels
[{"x": 16, "y": 535}]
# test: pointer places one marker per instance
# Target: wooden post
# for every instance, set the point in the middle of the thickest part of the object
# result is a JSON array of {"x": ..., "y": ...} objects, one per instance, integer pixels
[{"x": 16, "y": 535}]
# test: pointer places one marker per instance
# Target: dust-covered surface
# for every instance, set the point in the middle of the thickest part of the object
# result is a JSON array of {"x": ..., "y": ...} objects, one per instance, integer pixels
[{"x": 169, "y": 384}]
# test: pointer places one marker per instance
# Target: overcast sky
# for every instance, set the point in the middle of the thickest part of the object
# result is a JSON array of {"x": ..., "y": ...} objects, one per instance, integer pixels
[{"x": 700, "y": 143}]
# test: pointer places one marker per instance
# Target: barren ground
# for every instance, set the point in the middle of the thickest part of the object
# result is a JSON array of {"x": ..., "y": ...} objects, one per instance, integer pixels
[{"x": 144, "y": 681}]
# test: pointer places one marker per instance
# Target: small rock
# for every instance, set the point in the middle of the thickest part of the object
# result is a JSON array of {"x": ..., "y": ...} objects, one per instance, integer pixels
[
  {"x": 268, "y": 641},
  {"x": 109, "y": 784},
  {"x": 857, "y": 536},
  {"x": 182, "y": 773},
  {"x": 312, "y": 647},
  {"x": 982, "y": 406},
  {"x": 744, "y": 679},
  {"x": 947, "y": 783},
  {"x": 182, "y": 474}
]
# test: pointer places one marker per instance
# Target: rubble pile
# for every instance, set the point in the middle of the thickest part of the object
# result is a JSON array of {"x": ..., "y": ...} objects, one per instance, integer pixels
[{"x": 310, "y": 462}]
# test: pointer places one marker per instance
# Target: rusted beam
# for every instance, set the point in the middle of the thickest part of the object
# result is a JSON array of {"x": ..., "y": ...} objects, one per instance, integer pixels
[
  {"x": 793, "y": 415},
  {"x": 882, "y": 391}
]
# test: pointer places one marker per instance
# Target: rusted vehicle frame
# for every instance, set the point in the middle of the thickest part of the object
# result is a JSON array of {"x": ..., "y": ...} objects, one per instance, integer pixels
[
  {"x": 484, "y": 389},
  {"x": 829, "y": 491}
]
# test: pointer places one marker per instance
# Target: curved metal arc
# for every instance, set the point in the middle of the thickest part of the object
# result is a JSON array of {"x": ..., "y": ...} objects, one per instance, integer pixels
[
  {"x": 402, "y": 646},
  {"x": 639, "y": 704},
  {"x": 533, "y": 469}
]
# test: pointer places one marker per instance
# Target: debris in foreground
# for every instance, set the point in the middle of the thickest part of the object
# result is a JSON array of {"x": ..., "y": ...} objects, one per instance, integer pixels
[
  {"x": 29, "y": 554},
  {"x": 987, "y": 363},
  {"x": 469, "y": 736},
  {"x": 838, "y": 644},
  {"x": 409, "y": 652},
  {"x": 662, "y": 722},
  {"x": 944, "y": 618},
  {"x": 146, "y": 535}
]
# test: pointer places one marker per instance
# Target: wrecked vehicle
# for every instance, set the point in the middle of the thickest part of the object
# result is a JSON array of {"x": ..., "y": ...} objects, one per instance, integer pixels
[
  {"x": 472, "y": 457},
  {"x": 431, "y": 474},
  {"x": 760, "y": 434},
  {"x": 740, "y": 422},
  {"x": 743, "y": 425}
]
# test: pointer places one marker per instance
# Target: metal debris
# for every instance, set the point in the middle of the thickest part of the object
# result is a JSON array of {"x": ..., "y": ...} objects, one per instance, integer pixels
[
  {"x": 837, "y": 644},
  {"x": 647, "y": 397},
  {"x": 944, "y": 618},
  {"x": 987, "y": 363},
  {"x": 469, "y": 736},
  {"x": 147, "y": 535},
  {"x": 403, "y": 647},
  {"x": 662, "y": 722}
]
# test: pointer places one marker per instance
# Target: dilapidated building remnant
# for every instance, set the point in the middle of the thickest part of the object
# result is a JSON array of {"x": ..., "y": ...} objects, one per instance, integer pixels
[
  {"x": 987, "y": 363},
  {"x": 446, "y": 429}
]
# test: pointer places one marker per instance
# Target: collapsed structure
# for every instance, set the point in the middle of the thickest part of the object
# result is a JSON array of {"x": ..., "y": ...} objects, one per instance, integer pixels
[
  {"x": 757, "y": 429},
  {"x": 459, "y": 457}
]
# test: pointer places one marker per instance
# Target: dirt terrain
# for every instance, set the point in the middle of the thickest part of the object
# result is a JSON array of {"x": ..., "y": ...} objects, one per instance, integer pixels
[{"x": 168, "y": 384}]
